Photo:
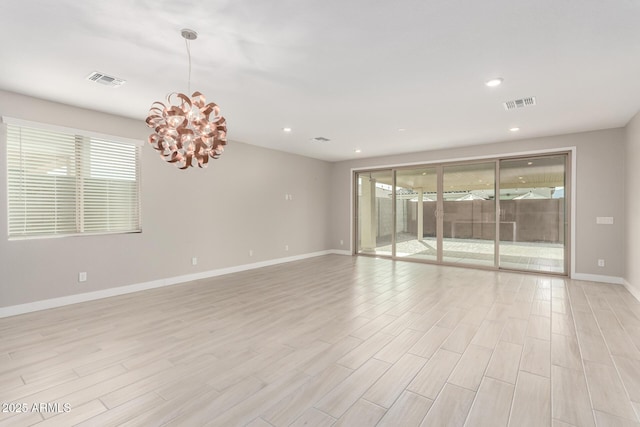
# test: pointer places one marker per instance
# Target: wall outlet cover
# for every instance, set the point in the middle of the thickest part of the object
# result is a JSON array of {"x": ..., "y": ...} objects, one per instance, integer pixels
[{"x": 607, "y": 220}]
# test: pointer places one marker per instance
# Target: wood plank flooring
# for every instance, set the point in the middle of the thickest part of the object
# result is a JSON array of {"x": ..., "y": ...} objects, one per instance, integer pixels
[{"x": 332, "y": 341}]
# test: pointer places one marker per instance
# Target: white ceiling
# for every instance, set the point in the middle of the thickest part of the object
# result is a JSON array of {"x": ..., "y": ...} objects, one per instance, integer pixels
[{"x": 354, "y": 71}]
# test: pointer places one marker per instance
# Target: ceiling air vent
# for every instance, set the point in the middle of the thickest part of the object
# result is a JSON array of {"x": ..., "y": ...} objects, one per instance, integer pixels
[
  {"x": 104, "y": 79},
  {"x": 520, "y": 103},
  {"x": 320, "y": 139}
]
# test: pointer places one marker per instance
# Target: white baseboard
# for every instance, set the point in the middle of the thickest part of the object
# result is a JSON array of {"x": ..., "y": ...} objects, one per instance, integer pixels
[
  {"x": 598, "y": 278},
  {"x": 121, "y": 290},
  {"x": 633, "y": 291},
  {"x": 340, "y": 252}
]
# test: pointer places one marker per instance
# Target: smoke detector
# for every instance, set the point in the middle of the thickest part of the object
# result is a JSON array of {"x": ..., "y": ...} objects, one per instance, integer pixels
[
  {"x": 520, "y": 103},
  {"x": 106, "y": 80}
]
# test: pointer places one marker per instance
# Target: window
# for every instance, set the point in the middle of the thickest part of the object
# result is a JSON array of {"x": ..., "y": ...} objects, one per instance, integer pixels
[{"x": 64, "y": 182}]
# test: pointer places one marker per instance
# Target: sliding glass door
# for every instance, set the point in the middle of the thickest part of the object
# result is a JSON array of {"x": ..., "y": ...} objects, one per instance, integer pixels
[
  {"x": 532, "y": 199},
  {"x": 469, "y": 214},
  {"x": 416, "y": 207},
  {"x": 375, "y": 212},
  {"x": 446, "y": 213}
]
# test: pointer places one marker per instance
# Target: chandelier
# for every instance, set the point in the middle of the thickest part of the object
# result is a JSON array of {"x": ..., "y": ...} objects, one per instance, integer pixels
[{"x": 187, "y": 130}]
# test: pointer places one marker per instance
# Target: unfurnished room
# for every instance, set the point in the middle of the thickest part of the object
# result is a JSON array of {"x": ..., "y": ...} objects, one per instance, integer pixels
[{"x": 320, "y": 213}]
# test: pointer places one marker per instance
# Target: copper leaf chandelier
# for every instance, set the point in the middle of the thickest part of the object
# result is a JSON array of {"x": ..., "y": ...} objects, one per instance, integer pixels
[{"x": 187, "y": 130}]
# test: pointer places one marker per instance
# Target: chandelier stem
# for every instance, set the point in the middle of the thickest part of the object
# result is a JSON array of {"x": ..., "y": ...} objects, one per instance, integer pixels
[{"x": 186, "y": 41}]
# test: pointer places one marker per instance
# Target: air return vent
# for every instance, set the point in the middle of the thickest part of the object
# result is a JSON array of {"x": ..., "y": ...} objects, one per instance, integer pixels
[
  {"x": 320, "y": 139},
  {"x": 104, "y": 79},
  {"x": 520, "y": 103}
]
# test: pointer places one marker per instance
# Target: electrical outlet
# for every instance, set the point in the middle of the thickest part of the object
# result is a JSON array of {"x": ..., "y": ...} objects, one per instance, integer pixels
[
  {"x": 600, "y": 263},
  {"x": 608, "y": 220},
  {"x": 341, "y": 242},
  {"x": 82, "y": 276},
  {"x": 194, "y": 261},
  {"x": 250, "y": 252},
  {"x": 286, "y": 247}
]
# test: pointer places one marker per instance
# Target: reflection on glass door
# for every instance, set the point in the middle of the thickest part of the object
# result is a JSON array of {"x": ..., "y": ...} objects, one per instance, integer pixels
[
  {"x": 469, "y": 220},
  {"x": 532, "y": 198},
  {"x": 416, "y": 224},
  {"x": 375, "y": 212}
]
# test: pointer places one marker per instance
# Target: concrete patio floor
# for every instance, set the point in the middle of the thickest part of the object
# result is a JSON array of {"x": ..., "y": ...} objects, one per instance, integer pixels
[{"x": 538, "y": 256}]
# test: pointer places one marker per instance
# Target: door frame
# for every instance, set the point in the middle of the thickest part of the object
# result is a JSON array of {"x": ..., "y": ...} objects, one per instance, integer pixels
[{"x": 570, "y": 201}]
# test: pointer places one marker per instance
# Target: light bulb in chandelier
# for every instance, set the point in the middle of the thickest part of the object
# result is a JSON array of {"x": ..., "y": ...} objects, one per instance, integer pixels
[{"x": 187, "y": 130}]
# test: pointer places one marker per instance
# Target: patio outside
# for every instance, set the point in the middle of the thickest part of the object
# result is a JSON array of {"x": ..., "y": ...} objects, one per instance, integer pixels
[{"x": 538, "y": 256}]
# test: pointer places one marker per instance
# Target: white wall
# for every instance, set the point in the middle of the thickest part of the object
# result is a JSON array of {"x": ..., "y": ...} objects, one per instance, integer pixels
[
  {"x": 632, "y": 198},
  {"x": 216, "y": 214},
  {"x": 600, "y": 180},
  {"x": 238, "y": 204}
]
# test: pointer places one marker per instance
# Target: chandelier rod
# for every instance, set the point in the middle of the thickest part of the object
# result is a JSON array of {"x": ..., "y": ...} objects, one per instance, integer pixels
[
  {"x": 187, "y": 43},
  {"x": 189, "y": 35}
]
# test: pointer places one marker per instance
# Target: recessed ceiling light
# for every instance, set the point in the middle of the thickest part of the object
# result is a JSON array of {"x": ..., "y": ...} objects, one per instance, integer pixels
[
  {"x": 357, "y": 150},
  {"x": 286, "y": 130},
  {"x": 529, "y": 163},
  {"x": 520, "y": 177},
  {"x": 497, "y": 81},
  {"x": 401, "y": 130},
  {"x": 514, "y": 129}
]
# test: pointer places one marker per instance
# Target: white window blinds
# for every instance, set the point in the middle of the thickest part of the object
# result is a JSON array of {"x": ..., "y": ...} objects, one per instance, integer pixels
[{"x": 67, "y": 183}]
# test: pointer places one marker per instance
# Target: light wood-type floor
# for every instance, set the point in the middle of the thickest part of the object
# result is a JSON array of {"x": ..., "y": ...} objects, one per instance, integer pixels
[{"x": 333, "y": 340}]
